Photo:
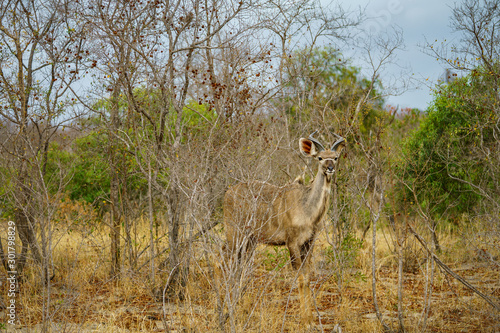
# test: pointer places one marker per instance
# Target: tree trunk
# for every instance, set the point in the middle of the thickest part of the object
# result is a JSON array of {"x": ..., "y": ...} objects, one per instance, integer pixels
[
  {"x": 25, "y": 228},
  {"x": 435, "y": 240},
  {"x": 174, "y": 256},
  {"x": 114, "y": 186}
]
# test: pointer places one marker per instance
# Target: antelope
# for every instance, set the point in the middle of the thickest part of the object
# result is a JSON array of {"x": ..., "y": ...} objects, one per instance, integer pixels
[{"x": 258, "y": 212}]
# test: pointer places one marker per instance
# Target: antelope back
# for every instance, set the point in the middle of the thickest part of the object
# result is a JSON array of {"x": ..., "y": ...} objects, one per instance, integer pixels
[{"x": 261, "y": 209}]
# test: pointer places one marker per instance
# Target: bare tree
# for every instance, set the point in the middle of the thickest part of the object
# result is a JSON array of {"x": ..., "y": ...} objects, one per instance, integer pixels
[{"x": 41, "y": 56}]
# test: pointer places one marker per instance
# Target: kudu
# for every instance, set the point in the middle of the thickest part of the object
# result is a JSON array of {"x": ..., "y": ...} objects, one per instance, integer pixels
[{"x": 258, "y": 212}]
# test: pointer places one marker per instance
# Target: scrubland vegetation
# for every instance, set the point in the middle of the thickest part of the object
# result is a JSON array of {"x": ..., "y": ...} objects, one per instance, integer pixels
[{"x": 123, "y": 123}]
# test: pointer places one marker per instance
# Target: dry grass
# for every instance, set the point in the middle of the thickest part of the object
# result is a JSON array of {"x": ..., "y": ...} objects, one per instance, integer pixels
[{"x": 84, "y": 298}]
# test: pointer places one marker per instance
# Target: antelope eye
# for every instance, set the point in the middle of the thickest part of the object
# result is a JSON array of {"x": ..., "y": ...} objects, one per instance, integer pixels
[
  {"x": 336, "y": 158},
  {"x": 320, "y": 158}
]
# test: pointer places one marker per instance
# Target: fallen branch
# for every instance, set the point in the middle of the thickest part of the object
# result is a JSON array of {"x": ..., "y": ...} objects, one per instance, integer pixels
[{"x": 449, "y": 271}]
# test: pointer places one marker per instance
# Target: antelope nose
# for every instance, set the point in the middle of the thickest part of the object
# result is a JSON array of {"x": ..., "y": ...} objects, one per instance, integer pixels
[{"x": 330, "y": 168}]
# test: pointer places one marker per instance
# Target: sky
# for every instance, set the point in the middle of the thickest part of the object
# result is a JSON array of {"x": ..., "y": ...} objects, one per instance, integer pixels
[{"x": 419, "y": 20}]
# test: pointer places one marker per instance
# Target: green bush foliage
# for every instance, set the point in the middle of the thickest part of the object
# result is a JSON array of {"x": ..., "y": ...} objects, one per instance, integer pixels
[{"x": 440, "y": 161}]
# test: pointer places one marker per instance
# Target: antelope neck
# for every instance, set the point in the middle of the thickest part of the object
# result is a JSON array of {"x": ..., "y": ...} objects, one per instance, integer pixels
[{"x": 318, "y": 193}]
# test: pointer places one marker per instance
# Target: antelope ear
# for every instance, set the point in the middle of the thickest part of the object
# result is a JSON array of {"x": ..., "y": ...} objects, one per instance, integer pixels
[{"x": 307, "y": 147}]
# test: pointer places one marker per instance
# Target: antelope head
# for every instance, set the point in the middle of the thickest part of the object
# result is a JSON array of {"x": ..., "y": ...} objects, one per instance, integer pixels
[{"x": 327, "y": 158}]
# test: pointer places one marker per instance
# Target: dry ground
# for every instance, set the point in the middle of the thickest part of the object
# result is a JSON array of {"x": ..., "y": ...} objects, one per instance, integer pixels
[{"x": 84, "y": 299}]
